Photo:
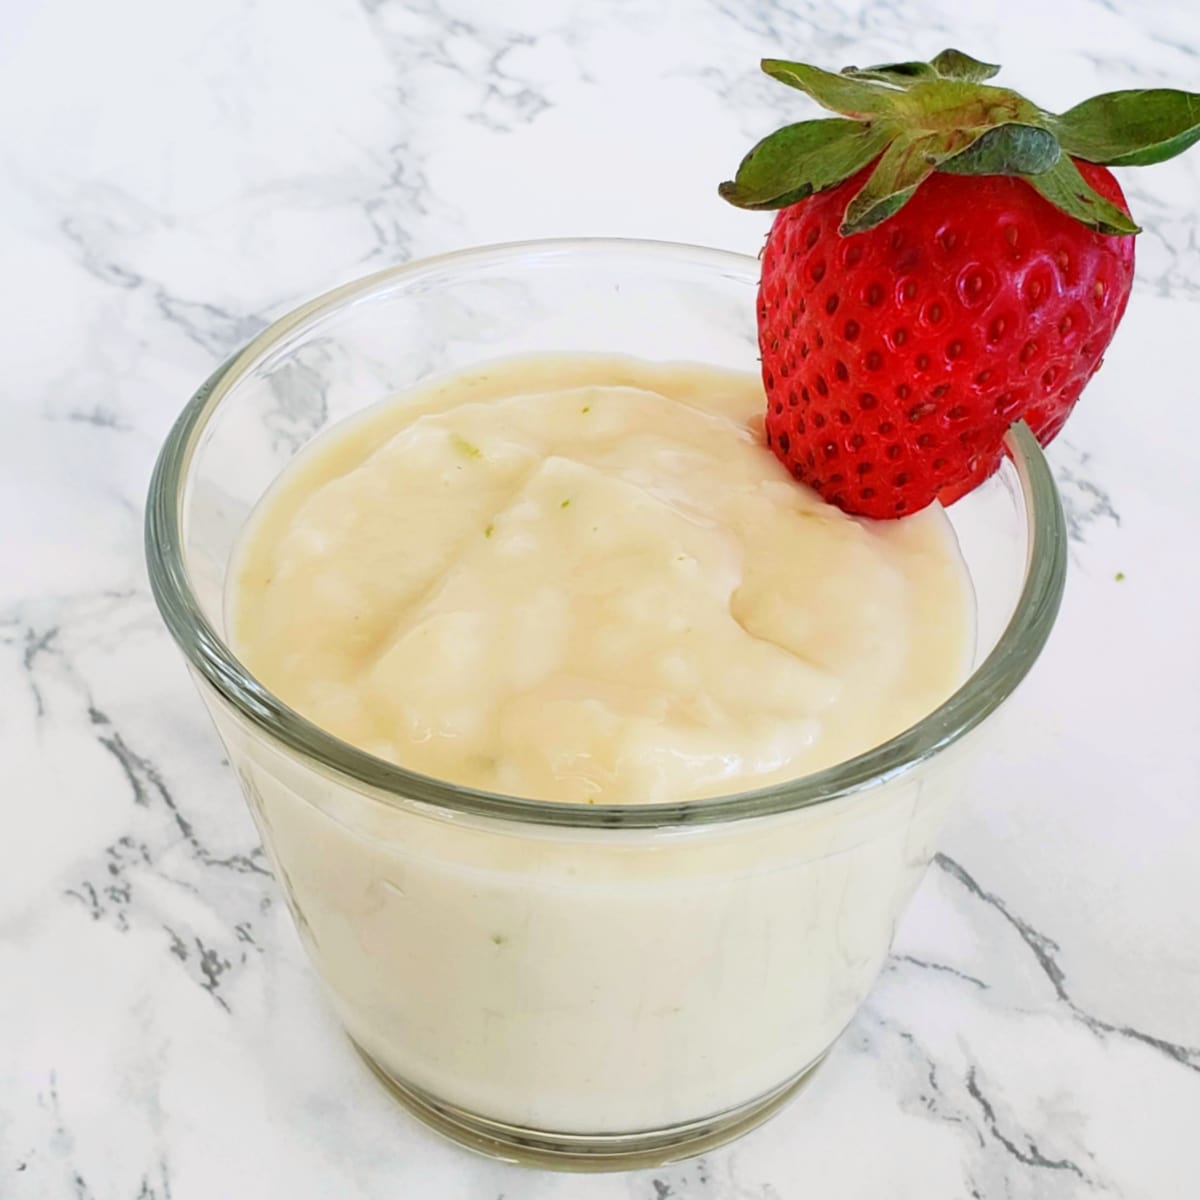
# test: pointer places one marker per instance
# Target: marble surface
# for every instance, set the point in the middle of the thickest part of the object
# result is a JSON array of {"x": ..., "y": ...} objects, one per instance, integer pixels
[{"x": 173, "y": 175}]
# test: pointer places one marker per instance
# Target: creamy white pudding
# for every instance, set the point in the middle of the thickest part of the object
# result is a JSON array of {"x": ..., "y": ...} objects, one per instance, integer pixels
[{"x": 587, "y": 580}]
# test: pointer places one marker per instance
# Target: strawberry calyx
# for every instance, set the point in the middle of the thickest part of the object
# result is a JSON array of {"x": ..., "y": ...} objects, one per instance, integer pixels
[{"x": 914, "y": 119}]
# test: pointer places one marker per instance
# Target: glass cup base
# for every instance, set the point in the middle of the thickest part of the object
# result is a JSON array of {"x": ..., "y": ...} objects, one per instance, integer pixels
[{"x": 589, "y": 1152}]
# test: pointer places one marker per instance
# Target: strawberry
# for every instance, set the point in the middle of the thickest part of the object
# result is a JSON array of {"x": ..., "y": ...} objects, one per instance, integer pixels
[{"x": 947, "y": 260}]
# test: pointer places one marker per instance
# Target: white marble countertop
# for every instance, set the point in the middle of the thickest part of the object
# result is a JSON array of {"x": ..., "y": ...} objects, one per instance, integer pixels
[{"x": 174, "y": 174}]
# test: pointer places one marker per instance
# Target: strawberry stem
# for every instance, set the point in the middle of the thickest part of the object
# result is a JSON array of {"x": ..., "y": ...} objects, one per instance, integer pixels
[{"x": 917, "y": 118}]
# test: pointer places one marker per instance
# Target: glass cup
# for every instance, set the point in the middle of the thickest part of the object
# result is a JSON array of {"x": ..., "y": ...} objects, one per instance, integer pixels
[{"x": 572, "y": 985}]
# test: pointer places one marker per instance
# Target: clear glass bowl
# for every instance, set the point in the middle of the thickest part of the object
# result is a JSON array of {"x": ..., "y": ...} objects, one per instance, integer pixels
[{"x": 578, "y": 986}]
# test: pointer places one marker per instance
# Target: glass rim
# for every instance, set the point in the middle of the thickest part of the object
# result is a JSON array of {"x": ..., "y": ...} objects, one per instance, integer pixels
[{"x": 982, "y": 692}]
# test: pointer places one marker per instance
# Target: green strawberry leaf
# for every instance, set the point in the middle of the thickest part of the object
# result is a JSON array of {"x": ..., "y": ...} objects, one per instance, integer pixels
[
  {"x": 915, "y": 118},
  {"x": 932, "y": 104},
  {"x": 839, "y": 93},
  {"x": 905, "y": 165},
  {"x": 797, "y": 160},
  {"x": 954, "y": 64},
  {"x": 899, "y": 73},
  {"x": 1012, "y": 149},
  {"x": 1067, "y": 190},
  {"x": 1130, "y": 129}
]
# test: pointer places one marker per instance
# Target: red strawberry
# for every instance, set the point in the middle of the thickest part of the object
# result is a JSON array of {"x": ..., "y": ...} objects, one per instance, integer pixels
[
  {"x": 895, "y": 360},
  {"x": 947, "y": 263}
]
